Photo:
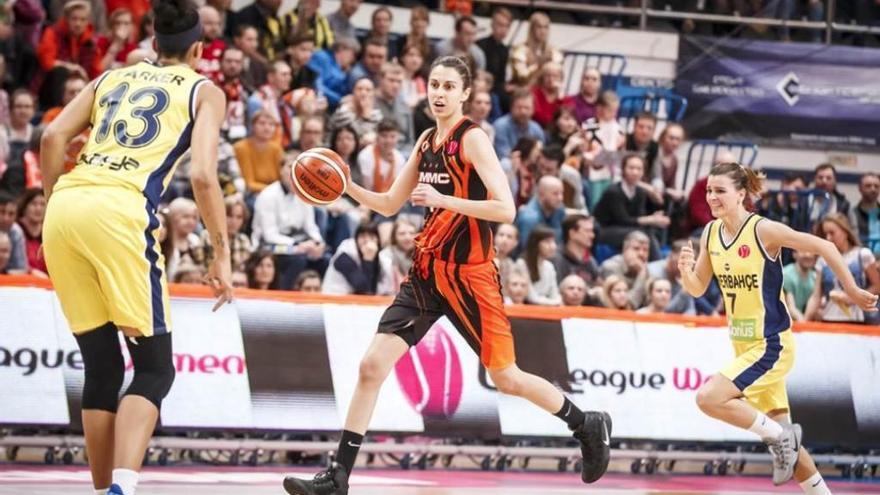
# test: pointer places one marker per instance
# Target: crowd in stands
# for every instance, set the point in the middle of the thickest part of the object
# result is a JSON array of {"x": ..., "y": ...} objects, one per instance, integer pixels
[{"x": 601, "y": 219}]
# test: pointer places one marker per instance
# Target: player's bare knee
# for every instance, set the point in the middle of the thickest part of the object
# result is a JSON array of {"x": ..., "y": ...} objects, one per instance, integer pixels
[
  {"x": 372, "y": 371},
  {"x": 707, "y": 400},
  {"x": 506, "y": 382}
]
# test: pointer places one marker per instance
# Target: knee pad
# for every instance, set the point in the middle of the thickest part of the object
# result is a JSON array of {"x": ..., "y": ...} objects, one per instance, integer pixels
[
  {"x": 104, "y": 367},
  {"x": 153, "y": 367}
]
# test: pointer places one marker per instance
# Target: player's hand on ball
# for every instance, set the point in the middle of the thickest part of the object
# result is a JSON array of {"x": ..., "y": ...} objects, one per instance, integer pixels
[
  {"x": 219, "y": 278},
  {"x": 425, "y": 195},
  {"x": 686, "y": 259}
]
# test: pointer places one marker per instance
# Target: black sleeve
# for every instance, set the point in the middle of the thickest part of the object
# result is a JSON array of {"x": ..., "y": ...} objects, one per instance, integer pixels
[
  {"x": 359, "y": 277},
  {"x": 612, "y": 209}
]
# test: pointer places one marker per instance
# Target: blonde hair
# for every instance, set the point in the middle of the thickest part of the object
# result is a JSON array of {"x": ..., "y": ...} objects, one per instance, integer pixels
[
  {"x": 843, "y": 224},
  {"x": 608, "y": 285}
]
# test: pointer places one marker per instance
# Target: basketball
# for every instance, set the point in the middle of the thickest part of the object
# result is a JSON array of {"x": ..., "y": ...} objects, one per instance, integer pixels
[{"x": 320, "y": 176}]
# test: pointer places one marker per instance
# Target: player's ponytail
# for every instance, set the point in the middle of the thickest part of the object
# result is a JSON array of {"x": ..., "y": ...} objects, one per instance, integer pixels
[
  {"x": 744, "y": 178},
  {"x": 177, "y": 26}
]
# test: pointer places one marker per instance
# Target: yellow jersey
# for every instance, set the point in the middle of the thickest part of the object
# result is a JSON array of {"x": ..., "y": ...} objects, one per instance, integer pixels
[
  {"x": 750, "y": 282},
  {"x": 142, "y": 122}
]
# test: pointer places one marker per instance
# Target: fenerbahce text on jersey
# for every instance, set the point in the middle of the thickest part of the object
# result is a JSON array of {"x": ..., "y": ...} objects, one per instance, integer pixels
[
  {"x": 447, "y": 235},
  {"x": 750, "y": 282},
  {"x": 142, "y": 123}
]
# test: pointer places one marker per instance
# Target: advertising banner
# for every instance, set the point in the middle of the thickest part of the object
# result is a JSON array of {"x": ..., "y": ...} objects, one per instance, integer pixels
[{"x": 786, "y": 94}]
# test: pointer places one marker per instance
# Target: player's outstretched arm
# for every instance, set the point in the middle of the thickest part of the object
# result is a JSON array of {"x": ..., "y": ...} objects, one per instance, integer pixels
[
  {"x": 696, "y": 271},
  {"x": 476, "y": 149},
  {"x": 775, "y": 235},
  {"x": 206, "y": 187},
  {"x": 391, "y": 201},
  {"x": 72, "y": 120}
]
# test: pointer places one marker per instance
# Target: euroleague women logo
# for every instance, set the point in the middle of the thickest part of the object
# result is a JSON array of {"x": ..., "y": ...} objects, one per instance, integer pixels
[
  {"x": 430, "y": 375},
  {"x": 452, "y": 147},
  {"x": 744, "y": 251}
]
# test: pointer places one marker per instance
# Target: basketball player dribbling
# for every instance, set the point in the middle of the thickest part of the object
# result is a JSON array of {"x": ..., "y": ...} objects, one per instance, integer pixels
[
  {"x": 100, "y": 232},
  {"x": 742, "y": 250},
  {"x": 455, "y": 173}
]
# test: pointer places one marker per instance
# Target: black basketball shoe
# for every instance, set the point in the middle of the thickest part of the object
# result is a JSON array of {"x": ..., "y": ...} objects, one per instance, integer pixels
[
  {"x": 331, "y": 481},
  {"x": 595, "y": 438}
]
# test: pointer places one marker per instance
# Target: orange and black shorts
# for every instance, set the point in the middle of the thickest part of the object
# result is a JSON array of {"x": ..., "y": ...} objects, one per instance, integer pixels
[{"x": 469, "y": 295}]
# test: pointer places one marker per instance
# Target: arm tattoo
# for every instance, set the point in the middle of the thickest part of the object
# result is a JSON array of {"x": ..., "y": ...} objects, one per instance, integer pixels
[{"x": 219, "y": 241}]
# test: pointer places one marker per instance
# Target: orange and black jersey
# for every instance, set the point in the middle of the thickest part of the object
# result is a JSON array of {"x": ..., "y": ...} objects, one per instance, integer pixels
[{"x": 447, "y": 235}]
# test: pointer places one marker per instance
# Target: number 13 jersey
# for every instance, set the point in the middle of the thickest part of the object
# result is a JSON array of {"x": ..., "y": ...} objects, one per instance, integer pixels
[{"x": 142, "y": 122}]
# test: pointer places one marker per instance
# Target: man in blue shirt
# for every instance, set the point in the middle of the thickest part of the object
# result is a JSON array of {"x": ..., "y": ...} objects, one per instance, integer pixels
[
  {"x": 865, "y": 217},
  {"x": 332, "y": 67},
  {"x": 545, "y": 208},
  {"x": 517, "y": 124},
  {"x": 370, "y": 65}
]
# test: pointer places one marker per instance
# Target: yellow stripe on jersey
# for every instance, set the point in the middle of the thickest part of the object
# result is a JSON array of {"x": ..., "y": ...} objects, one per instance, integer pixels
[
  {"x": 750, "y": 282},
  {"x": 142, "y": 122}
]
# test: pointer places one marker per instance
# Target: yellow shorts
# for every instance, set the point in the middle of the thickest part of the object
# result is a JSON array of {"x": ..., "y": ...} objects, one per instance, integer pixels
[
  {"x": 104, "y": 259},
  {"x": 760, "y": 368}
]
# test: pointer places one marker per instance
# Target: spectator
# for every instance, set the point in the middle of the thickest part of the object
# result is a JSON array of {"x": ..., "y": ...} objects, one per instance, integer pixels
[
  {"x": 74, "y": 83},
  {"x": 187, "y": 273},
  {"x": 550, "y": 162},
  {"x": 183, "y": 217},
  {"x": 605, "y": 138},
  {"x": 17, "y": 138},
  {"x": 829, "y": 302},
  {"x": 5, "y": 252},
  {"x": 18, "y": 262},
  {"x": 397, "y": 257},
  {"x": 414, "y": 88},
  {"x": 641, "y": 140},
  {"x": 228, "y": 173},
  {"x": 261, "y": 272},
  {"x": 816, "y": 206},
  {"x": 390, "y": 103},
  {"x": 97, "y": 12},
  {"x": 146, "y": 35},
  {"x": 355, "y": 267},
  {"x": 370, "y": 66},
  {"x": 528, "y": 57},
  {"x": 585, "y": 102},
  {"x": 540, "y": 250},
  {"x": 308, "y": 281},
  {"x": 478, "y": 111},
  {"x": 240, "y": 246},
  {"x": 213, "y": 44},
  {"x": 623, "y": 208},
  {"x": 344, "y": 140},
  {"x": 665, "y": 167},
  {"x": 419, "y": 19},
  {"x": 463, "y": 43},
  {"x": 360, "y": 112},
  {"x": 28, "y": 18},
  {"x": 506, "y": 241},
  {"x": 246, "y": 39},
  {"x": 575, "y": 257},
  {"x": 286, "y": 224},
  {"x": 547, "y": 93},
  {"x": 114, "y": 49},
  {"x": 340, "y": 21},
  {"x": 632, "y": 265},
  {"x": 784, "y": 206},
  {"x": 231, "y": 69},
  {"x": 381, "y": 162},
  {"x": 516, "y": 124},
  {"x": 680, "y": 302},
  {"x": 522, "y": 169},
  {"x": 615, "y": 292},
  {"x": 31, "y": 212},
  {"x": 70, "y": 42},
  {"x": 259, "y": 154},
  {"x": 517, "y": 287},
  {"x": 226, "y": 14},
  {"x": 263, "y": 15},
  {"x": 165, "y": 241},
  {"x": 573, "y": 290},
  {"x": 307, "y": 20},
  {"x": 311, "y": 135},
  {"x": 563, "y": 129},
  {"x": 423, "y": 119},
  {"x": 380, "y": 30},
  {"x": 545, "y": 208},
  {"x": 299, "y": 51},
  {"x": 799, "y": 280},
  {"x": 239, "y": 280},
  {"x": 497, "y": 53},
  {"x": 865, "y": 217},
  {"x": 331, "y": 67},
  {"x": 659, "y": 295},
  {"x": 269, "y": 98}
]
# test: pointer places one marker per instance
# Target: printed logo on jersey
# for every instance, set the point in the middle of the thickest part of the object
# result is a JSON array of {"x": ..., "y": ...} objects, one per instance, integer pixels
[
  {"x": 452, "y": 147},
  {"x": 727, "y": 267},
  {"x": 743, "y": 329},
  {"x": 434, "y": 177},
  {"x": 746, "y": 281},
  {"x": 744, "y": 251},
  {"x": 425, "y": 144}
]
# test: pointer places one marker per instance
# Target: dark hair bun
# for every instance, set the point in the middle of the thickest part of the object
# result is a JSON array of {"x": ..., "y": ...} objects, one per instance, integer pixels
[{"x": 174, "y": 16}]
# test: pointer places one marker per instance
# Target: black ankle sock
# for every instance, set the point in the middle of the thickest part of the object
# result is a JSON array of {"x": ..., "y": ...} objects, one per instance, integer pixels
[
  {"x": 571, "y": 414},
  {"x": 349, "y": 445}
]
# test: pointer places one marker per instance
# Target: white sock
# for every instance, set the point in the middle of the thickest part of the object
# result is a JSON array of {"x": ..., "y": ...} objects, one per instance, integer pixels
[
  {"x": 764, "y": 427},
  {"x": 126, "y": 479},
  {"x": 102, "y": 491},
  {"x": 815, "y": 485}
]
